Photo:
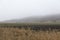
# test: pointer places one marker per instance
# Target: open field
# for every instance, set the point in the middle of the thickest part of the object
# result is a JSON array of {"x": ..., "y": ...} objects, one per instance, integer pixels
[
  {"x": 36, "y": 27},
  {"x": 29, "y": 31},
  {"x": 22, "y": 34}
]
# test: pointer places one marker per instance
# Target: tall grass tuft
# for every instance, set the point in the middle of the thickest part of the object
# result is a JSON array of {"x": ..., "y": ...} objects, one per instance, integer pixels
[{"x": 22, "y": 34}]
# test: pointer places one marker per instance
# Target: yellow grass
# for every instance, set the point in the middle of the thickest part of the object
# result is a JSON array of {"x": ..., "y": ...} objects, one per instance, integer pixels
[{"x": 21, "y": 34}]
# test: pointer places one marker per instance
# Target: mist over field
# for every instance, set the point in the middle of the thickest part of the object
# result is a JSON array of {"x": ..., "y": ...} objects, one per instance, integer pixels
[
  {"x": 29, "y": 19},
  {"x": 19, "y": 9}
]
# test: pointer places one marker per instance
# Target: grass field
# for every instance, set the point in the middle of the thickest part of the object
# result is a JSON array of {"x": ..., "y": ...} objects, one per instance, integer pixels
[
  {"x": 22, "y": 34},
  {"x": 10, "y": 33}
]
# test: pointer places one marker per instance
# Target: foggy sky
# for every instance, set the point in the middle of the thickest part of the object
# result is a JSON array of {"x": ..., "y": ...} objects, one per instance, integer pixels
[{"x": 13, "y": 9}]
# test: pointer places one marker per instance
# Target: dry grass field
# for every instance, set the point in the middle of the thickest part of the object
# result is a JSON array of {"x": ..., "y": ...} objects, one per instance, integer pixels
[{"x": 22, "y": 34}]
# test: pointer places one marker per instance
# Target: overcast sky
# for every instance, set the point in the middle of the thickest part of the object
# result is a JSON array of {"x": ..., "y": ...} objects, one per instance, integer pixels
[{"x": 12, "y": 9}]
